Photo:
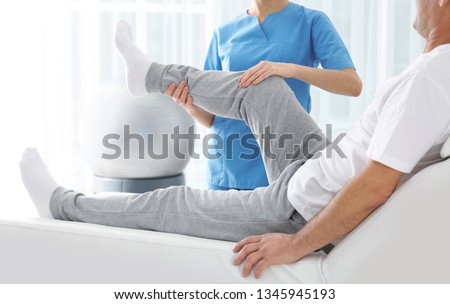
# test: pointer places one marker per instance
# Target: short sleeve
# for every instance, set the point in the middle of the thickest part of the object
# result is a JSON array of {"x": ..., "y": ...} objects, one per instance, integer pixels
[
  {"x": 329, "y": 49},
  {"x": 411, "y": 121},
  {"x": 212, "y": 61}
]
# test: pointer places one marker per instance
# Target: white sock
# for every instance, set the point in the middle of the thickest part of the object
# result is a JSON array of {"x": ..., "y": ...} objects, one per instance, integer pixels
[
  {"x": 136, "y": 62},
  {"x": 38, "y": 181}
]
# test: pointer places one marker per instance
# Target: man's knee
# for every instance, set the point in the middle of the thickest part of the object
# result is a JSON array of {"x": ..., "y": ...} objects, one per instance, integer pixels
[
  {"x": 270, "y": 88},
  {"x": 274, "y": 83}
]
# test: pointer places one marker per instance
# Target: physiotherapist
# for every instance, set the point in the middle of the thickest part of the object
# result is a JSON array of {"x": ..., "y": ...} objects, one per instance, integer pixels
[{"x": 273, "y": 37}]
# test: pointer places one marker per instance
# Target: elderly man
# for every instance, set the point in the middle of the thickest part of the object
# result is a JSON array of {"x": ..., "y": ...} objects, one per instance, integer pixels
[{"x": 316, "y": 196}]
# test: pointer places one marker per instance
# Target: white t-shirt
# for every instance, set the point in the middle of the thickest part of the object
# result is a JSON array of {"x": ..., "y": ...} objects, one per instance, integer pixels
[{"x": 404, "y": 128}]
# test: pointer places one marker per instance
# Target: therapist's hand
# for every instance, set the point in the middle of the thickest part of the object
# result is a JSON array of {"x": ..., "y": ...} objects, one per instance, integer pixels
[
  {"x": 260, "y": 252},
  {"x": 262, "y": 71},
  {"x": 179, "y": 93}
]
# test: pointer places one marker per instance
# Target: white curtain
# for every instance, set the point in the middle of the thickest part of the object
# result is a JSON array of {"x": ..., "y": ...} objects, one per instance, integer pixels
[
  {"x": 55, "y": 54},
  {"x": 382, "y": 43}
]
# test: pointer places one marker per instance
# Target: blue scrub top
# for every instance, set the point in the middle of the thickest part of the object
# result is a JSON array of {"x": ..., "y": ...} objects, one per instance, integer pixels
[{"x": 293, "y": 35}]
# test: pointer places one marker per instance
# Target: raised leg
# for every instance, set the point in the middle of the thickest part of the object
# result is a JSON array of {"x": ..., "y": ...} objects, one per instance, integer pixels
[{"x": 285, "y": 132}]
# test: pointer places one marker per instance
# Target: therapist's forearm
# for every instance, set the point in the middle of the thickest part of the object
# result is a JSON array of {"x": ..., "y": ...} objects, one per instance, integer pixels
[
  {"x": 358, "y": 199},
  {"x": 203, "y": 117},
  {"x": 342, "y": 82}
]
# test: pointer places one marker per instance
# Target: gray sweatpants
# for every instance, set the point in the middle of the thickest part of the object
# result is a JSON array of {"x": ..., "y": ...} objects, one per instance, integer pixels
[{"x": 225, "y": 215}]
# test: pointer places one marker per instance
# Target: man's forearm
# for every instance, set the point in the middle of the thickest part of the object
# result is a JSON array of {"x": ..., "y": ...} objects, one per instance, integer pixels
[
  {"x": 363, "y": 194},
  {"x": 342, "y": 215},
  {"x": 357, "y": 200}
]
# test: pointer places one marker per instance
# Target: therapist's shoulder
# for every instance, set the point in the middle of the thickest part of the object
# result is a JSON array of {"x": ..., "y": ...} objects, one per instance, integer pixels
[
  {"x": 229, "y": 27},
  {"x": 306, "y": 14}
]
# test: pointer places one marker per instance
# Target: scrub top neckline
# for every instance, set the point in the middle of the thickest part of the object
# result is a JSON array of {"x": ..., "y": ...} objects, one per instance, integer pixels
[{"x": 268, "y": 15}]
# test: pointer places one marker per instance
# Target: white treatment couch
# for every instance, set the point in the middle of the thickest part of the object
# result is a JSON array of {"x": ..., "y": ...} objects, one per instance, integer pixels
[{"x": 407, "y": 240}]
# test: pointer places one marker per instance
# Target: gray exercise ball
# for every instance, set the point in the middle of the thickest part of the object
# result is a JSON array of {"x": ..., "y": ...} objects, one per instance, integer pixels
[{"x": 126, "y": 137}]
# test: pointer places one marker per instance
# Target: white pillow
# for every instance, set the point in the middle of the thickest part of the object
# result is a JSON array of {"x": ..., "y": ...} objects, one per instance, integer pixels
[{"x": 445, "y": 151}]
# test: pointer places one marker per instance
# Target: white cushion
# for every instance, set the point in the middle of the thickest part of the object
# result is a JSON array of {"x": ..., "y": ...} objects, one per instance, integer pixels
[
  {"x": 445, "y": 151},
  {"x": 51, "y": 251},
  {"x": 404, "y": 241}
]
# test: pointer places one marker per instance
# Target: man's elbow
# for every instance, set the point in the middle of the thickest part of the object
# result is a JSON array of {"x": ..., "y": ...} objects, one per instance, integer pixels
[
  {"x": 380, "y": 200},
  {"x": 379, "y": 183},
  {"x": 380, "y": 196}
]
